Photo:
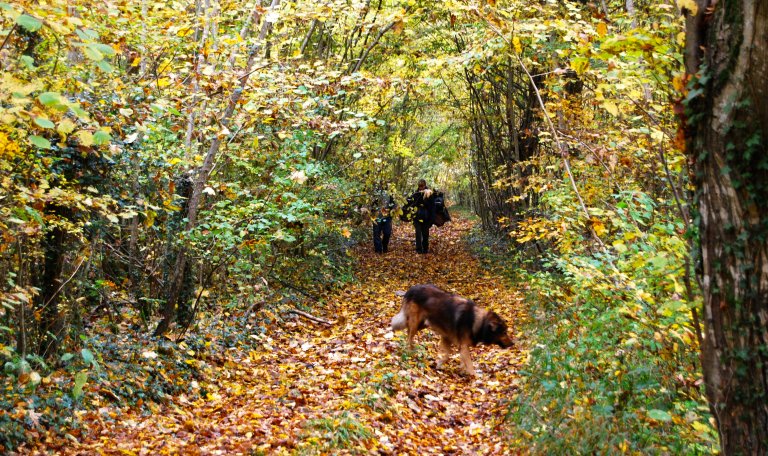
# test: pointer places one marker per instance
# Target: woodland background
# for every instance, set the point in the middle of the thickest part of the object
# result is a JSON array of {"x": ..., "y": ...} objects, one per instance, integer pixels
[{"x": 167, "y": 165}]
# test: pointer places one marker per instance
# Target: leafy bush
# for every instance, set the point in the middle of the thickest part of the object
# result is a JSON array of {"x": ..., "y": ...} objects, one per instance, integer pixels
[{"x": 613, "y": 356}]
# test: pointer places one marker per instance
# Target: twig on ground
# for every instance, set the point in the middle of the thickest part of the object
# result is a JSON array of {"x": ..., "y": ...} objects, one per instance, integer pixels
[{"x": 311, "y": 317}]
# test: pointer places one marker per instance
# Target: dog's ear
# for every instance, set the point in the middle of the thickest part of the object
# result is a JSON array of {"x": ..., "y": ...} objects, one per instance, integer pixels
[{"x": 495, "y": 322}]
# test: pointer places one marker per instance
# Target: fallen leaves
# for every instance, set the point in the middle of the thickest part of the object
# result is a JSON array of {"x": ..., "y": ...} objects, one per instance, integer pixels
[{"x": 351, "y": 387}]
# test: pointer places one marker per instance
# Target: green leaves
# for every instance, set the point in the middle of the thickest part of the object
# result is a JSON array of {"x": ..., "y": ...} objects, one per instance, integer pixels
[
  {"x": 40, "y": 142},
  {"x": 80, "y": 379},
  {"x": 101, "y": 137},
  {"x": 659, "y": 415},
  {"x": 50, "y": 99},
  {"x": 29, "y": 22},
  {"x": 45, "y": 123}
]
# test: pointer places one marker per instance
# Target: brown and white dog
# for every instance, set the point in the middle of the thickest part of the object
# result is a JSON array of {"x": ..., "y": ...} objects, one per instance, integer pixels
[{"x": 458, "y": 321}]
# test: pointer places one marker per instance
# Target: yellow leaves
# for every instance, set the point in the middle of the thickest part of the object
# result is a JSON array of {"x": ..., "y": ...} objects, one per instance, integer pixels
[
  {"x": 85, "y": 137},
  {"x": 8, "y": 148},
  {"x": 680, "y": 39},
  {"x": 679, "y": 83},
  {"x": 398, "y": 27},
  {"x": 597, "y": 225},
  {"x": 611, "y": 107},
  {"x": 65, "y": 127},
  {"x": 184, "y": 32},
  {"x": 536, "y": 228},
  {"x": 602, "y": 29},
  {"x": 689, "y": 5},
  {"x": 517, "y": 45},
  {"x": 168, "y": 204},
  {"x": 579, "y": 64}
]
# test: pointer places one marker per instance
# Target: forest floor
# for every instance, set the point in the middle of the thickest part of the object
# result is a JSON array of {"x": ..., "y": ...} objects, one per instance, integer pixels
[{"x": 349, "y": 388}]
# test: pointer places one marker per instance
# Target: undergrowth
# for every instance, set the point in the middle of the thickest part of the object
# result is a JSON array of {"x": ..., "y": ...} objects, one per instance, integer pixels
[
  {"x": 613, "y": 358},
  {"x": 121, "y": 366}
]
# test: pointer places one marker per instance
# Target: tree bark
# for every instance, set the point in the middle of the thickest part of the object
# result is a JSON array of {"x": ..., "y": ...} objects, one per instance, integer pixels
[{"x": 726, "y": 129}]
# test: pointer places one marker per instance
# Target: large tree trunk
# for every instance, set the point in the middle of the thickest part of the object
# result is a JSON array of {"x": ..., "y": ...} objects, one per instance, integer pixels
[{"x": 726, "y": 129}]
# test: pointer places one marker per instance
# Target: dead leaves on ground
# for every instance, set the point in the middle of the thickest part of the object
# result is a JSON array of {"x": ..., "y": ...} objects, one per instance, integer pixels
[{"x": 351, "y": 388}]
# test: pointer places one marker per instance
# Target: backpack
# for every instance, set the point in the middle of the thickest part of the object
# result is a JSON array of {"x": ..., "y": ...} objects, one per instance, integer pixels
[
  {"x": 439, "y": 202},
  {"x": 441, "y": 212}
]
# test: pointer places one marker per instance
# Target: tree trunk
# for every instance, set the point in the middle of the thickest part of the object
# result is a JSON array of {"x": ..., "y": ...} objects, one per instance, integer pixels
[
  {"x": 51, "y": 318},
  {"x": 726, "y": 127},
  {"x": 180, "y": 268}
]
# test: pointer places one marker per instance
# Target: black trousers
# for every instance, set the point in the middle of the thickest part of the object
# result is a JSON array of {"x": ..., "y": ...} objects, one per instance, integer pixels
[
  {"x": 382, "y": 231},
  {"x": 422, "y": 236}
]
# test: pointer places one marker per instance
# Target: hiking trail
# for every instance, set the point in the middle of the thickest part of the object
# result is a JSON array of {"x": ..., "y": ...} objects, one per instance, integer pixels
[{"x": 349, "y": 388}]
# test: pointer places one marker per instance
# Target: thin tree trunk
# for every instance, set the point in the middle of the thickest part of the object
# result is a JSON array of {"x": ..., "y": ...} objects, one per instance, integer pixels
[
  {"x": 179, "y": 269},
  {"x": 21, "y": 334},
  {"x": 52, "y": 320},
  {"x": 134, "y": 233},
  {"x": 308, "y": 37},
  {"x": 727, "y": 129},
  {"x": 200, "y": 61}
]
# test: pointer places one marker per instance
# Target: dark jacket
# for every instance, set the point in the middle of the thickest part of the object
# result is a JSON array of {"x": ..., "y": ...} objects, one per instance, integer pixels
[{"x": 420, "y": 208}]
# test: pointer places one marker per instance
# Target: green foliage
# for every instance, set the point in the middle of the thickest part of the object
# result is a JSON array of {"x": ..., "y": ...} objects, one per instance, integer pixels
[
  {"x": 42, "y": 396},
  {"x": 614, "y": 354},
  {"x": 600, "y": 379}
]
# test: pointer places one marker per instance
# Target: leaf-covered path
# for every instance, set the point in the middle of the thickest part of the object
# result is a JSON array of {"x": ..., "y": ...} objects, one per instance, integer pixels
[{"x": 349, "y": 388}]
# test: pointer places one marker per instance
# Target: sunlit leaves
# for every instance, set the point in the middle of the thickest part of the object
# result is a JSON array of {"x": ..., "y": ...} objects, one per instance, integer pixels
[
  {"x": 690, "y": 5},
  {"x": 66, "y": 126},
  {"x": 85, "y": 137}
]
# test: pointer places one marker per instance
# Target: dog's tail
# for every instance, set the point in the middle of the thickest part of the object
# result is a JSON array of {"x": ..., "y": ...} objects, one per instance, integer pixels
[{"x": 398, "y": 321}]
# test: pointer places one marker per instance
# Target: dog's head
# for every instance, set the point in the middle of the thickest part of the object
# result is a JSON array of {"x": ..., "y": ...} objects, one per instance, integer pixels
[{"x": 495, "y": 331}]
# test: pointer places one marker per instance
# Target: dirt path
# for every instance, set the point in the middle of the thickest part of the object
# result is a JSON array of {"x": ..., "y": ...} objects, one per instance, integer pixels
[{"x": 350, "y": 388}]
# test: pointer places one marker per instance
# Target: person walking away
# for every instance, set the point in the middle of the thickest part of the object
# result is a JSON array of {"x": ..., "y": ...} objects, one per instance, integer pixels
[
  {"x": 383, "y": 206},
  {"x": 422, "y": 203}
]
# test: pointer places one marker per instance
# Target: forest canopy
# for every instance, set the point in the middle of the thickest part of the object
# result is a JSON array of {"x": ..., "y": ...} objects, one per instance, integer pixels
[{"x": 177, "y": 169}]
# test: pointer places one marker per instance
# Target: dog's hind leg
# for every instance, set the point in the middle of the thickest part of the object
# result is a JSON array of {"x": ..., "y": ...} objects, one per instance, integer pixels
[
  {"x": 414, "y": 320},
  {"x": 412, "y": 329},
  {"x": 444, "y": 352},
  {"x": 466, "y": 359}
]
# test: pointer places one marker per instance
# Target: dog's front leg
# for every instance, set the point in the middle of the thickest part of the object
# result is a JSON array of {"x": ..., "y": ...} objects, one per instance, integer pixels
[
  {"x": 466, "y": 360},
  {"x": 444, "y": 351}
]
